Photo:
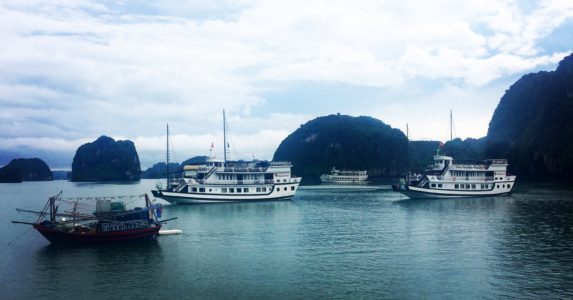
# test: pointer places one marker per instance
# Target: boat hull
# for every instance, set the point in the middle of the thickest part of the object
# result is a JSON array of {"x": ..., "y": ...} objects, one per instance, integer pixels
[
  {"x": 188, "y": 198},
  {"x": 425, "y": 193},
  {"x": 61, "y": 237}
]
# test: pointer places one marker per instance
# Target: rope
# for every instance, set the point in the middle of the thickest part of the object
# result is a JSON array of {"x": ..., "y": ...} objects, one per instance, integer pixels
[
  {"x": 123, "y": 197},
  {"x": 21, "y": 235}
]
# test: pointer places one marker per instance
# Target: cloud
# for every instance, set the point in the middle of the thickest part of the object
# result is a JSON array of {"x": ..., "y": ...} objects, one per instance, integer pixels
[{"x": 74, "y": 70}]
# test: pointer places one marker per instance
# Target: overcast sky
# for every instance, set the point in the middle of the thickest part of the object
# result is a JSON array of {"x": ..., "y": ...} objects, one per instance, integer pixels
[{"x": 72, "y": 70}]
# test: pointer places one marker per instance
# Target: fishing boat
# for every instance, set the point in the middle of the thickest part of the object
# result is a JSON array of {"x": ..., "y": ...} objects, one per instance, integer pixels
[
  {"x": 445, "y": 179},
  {"x": 344, "y": 177},
  {"x": 110, "y": 222},
  {"x": 221, "y": 180}
]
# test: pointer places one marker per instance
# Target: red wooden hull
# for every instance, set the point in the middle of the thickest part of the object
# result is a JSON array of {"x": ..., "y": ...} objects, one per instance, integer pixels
[{"x": 59, "y": 237}]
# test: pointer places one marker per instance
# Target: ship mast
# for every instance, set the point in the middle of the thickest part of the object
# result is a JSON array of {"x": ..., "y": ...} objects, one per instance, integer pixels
[
  {"x": 226, "y": 153},
  {"x": 167, "y": 158},
  {"x": 451, "y": 126}
]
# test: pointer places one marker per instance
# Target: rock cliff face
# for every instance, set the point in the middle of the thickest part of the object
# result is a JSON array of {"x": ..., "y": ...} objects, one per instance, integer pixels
[
  {"x": 25, "y": 169},
  {"x": 345, "y": 142},
  {"x": 106, "y": 160},
  {"x": 533, "y": 124}
]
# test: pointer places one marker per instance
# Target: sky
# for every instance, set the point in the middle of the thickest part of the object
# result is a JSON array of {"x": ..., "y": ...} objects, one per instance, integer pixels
[{"x": 73, "y": 70}]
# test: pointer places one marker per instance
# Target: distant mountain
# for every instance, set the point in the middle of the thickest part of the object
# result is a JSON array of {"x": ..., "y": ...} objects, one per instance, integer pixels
[
  {"x": 468, "y": 150},
  {"x": 346, "y": 142},
  {"x": 195, "y": 160},
  {"x": 421, "y": 154},
  {"x": 62, "y": 175},
  {"x": 106, "y": 160},
  {"x": 533, "y": 124},
  {"x": 25, "y": 169},
  {"x": 55, "y": 159},
  {"x": 158, "y": 170}
]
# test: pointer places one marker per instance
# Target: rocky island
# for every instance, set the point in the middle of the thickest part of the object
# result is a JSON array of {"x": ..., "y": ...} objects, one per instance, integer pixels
[
  {"x": 25, "y": 169},
  {"x": 533, "y": 126},
  {"x": 362, "y": 143},
  {"x": 106, "y": 160}
]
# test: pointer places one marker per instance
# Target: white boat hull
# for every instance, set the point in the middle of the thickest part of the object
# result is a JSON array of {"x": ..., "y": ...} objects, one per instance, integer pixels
[
  {"x": 281, "y": 192},
  {"x": 414, "y": 192}
]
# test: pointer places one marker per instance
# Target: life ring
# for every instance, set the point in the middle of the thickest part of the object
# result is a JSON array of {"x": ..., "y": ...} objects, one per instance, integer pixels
[{"x": 454, "y": 178}]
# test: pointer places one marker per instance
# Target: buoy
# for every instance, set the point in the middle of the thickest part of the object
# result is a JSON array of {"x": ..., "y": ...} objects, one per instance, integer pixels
[{"x": 170, "y": 232}]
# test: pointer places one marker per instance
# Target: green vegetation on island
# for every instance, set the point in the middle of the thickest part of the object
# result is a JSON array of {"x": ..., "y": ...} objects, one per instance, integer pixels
[
  {"x": 345, "y": 142},
  {"x": 25, "y": 169},
  {"x": 533, "y": 125},
  {"x": 106, "y": 160}
]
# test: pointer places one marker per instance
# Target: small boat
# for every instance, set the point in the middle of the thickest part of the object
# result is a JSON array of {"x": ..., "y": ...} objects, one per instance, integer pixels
[
  {"x": 221, "y": 180},
  {"x": 445, "y": 179},
  {"x": 110, "y": 222},
  {"x": 344, "y": 177}
]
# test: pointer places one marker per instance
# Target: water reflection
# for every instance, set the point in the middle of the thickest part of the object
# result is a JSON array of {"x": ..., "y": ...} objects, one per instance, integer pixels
[{"x": 97, "y": 271}]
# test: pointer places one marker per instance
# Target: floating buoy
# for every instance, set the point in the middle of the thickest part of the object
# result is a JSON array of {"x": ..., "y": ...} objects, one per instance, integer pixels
[{"x": 170, "y": 231}]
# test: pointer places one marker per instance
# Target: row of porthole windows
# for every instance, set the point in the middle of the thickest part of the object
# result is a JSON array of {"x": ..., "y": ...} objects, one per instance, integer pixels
[
  {"x": 292, "y": 188},
  {"x": 503, "y": 186},
  {"x": 230, "y": 190},
  {"x": 472, "y": 186},
  {"x": 240, "y": 190}
]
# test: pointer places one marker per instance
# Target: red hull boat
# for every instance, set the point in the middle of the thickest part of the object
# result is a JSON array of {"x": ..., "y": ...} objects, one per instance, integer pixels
[{"x": 110, "y": 223}]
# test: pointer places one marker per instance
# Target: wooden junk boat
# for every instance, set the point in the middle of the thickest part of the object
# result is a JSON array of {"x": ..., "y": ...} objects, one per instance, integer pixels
[{"x": 111, "y": 222}]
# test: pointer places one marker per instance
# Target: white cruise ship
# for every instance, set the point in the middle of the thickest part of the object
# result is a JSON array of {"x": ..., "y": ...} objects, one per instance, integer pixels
[
  {"x": 219, "y": 180},
  {"x": 344, "y": 177},
  {"x": 445, "y": 179}
]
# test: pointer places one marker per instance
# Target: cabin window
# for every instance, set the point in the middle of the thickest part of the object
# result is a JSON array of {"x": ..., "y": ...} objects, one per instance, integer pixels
[
  {"x": 439, "y": 185},
  {"x": 246, "y": 190},
  {"x": 201, "y": 190},
  {"x": 498, "y": 186},
  {"x": 285, "y": 188},
  {"x": 239, "y": 190},
  {"x": 258, "y": 190},
  {"x": 210, "y": 190},
  {"x": 433, "y": 185},
  {"x": 457, "y": 187},
  {"x": 194, "y": 190},
  {"x": 231, "y": 190},
  {"x": 508, "y": 186},
  {"x": 292, "y": 188},
  {"x": 223, "y": 190},
  {"x": 473, "y": 186},
  {"x": 264, "y": 189}
]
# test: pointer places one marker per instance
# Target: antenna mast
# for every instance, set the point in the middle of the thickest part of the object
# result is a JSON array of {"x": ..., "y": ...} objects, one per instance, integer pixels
[
  {"x": 167, "y": 158},
  {"x": 451, "y": 126},
  {"x": 226, "y": 153}
]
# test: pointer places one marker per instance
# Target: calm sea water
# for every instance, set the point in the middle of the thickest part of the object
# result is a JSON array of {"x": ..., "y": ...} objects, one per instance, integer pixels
[{"x": 325, "y": 243}]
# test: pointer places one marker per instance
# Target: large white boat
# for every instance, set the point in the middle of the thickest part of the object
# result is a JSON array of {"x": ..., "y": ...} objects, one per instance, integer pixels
[
  {"x": 445, "y": 179},
  {"x": 219, "y": 180},
  {"x": 344, "y": 177}
]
